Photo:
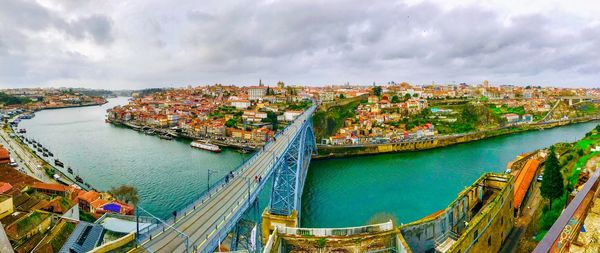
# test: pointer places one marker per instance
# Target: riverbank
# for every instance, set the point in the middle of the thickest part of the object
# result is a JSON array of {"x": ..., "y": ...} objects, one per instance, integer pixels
[
  {"x": 73, "y": 106},
  {"x": 333, "y": 151},
  {"x": 223, "y": 143}
]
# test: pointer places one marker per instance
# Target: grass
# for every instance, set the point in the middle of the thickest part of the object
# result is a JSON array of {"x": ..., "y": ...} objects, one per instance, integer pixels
[{"x": 30, "y": 221}]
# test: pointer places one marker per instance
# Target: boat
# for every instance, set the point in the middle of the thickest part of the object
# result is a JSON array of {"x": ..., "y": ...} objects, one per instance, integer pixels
[
  {"x": 45, "y": 149},
  {"x": 206, "y": 146},
  {"x": 40, "y": 150},
  {"x": 59, "y": 163},
  {"x": 149, "y": 132},
  {"x": 70, "y": 170},
  {"x": 45, "y": 154},
  {"x": 165, "y": 137},
  {"x": 50, "y": 153},
  {"x": 79, "y": 179}
]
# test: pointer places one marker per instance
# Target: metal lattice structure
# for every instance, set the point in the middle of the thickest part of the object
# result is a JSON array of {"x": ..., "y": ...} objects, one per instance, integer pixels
[{"x": 290, "y": 173}]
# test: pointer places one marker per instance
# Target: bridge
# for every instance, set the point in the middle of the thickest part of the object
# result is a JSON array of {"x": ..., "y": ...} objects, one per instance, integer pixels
[{"x": 205, "y": 224}]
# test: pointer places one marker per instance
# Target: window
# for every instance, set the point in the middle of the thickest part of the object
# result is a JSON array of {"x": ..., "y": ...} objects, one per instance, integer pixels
[{"x": 489, "y": 241}]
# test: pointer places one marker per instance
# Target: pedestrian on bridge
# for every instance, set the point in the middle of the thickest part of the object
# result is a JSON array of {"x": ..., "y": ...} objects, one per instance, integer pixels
[{"x": 175, "y": 215}]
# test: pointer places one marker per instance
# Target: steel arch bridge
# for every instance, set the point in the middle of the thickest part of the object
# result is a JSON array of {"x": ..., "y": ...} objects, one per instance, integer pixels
[{"x": 206, "y": 223}]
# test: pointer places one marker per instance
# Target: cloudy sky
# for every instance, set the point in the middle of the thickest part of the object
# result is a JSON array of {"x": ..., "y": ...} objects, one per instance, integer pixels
[{"x": 154, "y": 43}]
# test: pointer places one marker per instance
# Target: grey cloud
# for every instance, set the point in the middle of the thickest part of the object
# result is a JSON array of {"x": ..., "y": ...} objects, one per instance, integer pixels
[{"x": 304, "y": 41}]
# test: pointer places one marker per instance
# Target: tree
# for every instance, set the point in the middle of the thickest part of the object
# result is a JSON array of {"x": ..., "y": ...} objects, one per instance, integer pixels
[
  {"x": 273, "y": 117},
  {"x": 230, "y": 123},
  {"x": 407, "y": 96},
  {"x": 125, "y": 193},
  {"x": 395, "y": 99},
  {"x": 342, "y": 96},
  {"x": 377, "y": 90},
  {"x": 552, "y": 185}
]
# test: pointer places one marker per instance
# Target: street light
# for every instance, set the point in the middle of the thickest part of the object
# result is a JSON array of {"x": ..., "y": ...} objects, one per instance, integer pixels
[{"x": 208, "y": 178}]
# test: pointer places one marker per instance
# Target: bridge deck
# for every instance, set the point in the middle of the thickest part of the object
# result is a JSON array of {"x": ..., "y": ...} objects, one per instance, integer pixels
[{"x": 203, "y": 224}]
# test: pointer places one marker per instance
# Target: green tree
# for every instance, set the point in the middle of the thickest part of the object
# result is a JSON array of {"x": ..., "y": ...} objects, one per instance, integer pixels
[
  {"x": 377, "y": 90},
  {"x": 342, "y": 96},
  {"x": 553, "y": 185},
  {"x": 395, "y": 99},
  {"x": 407, "y": 96},
  {"x": 273, "y": 117},
  {"x": 125, "y": 193},
  {"x": 230, "y": 123}
]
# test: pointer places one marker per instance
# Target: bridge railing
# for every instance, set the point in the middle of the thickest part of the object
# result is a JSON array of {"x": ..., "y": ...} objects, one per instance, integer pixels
[
  {"x": 160, "y": 226},
  {"x": 387, "y": 226},
  {"x": 227, "y": 221}
]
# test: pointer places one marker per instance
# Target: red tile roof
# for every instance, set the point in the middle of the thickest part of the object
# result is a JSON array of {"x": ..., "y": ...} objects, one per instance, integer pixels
[
  {"x": 49, "y": 187},
  {"x": 524, "y": 180}
]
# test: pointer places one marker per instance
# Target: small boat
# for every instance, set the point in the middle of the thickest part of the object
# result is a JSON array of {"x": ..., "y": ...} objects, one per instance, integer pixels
[
  {"x": 165, "y": 137},
  {"x": 45, "y": 154},
  {"x": 79, "y": 179},
  {"x": 50, "y": 153},
  {"x": 45, "y": 149},
  {"x": 88, "y": 185},
  {"x": 40, "y": 150},
  {"x": 59, "y": 163},
  {"x": 149, "y": 132},
  {"x": 70, "y": 170},
  {"x": 206, "y": 146}
]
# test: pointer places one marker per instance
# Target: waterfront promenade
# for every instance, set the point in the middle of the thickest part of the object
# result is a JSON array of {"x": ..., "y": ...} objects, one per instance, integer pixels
[
  {"x": 25, "y": 160},
  {"x": 208, "y": 220}
]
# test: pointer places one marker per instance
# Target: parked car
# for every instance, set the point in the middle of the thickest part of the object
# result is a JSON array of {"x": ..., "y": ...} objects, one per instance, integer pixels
[{"x": 540, "y": 177}]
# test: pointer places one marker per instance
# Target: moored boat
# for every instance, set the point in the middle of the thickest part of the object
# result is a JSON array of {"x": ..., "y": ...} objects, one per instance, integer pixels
[
  {"x": 206, "y": 146},
  {"x": 58, "y": 163},
  {"x": 165, "y": 137}
]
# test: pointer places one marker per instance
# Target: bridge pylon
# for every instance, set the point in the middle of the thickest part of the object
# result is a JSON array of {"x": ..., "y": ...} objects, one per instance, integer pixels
[{"x": 288, "y": 182}]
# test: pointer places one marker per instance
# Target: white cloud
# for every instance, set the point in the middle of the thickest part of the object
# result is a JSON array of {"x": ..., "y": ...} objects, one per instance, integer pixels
[{"x": 123, "y": 44}]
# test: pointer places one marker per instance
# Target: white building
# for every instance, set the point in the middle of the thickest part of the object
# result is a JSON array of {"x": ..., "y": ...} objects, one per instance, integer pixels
[{"x": 256, "y": 92}]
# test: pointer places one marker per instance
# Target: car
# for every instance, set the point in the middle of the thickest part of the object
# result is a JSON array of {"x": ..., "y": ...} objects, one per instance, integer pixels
[
  {"x": 540, "y": 178},
  {"x": 508, "y": 171}
]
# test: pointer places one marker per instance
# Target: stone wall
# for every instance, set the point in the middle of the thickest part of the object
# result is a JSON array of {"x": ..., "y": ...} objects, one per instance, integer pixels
[
  {"x": 458, "y": 221},
  {"x": 331, "y": 151}
]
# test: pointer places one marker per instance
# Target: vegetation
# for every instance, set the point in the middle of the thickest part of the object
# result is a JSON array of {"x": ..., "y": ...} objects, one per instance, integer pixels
[
  {"x": 85, "y": 216},
  {"x": 12, "y": 100},
  {"x": 333, "y": 119},
  {"x": 126, "y": 193},
  {"x": 377, "y": 90},
  {"x": 552, "y": 186}
]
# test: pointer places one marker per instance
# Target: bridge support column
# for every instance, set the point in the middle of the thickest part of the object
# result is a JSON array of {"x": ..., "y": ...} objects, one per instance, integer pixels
[{"x": 271, "y": 221}]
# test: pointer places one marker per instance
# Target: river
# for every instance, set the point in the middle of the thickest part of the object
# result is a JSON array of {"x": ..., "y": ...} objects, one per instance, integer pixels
[{"x": 338, "y": 192}]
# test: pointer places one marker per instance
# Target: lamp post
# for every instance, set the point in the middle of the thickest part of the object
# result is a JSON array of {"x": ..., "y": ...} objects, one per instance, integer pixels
[{"x": 209, "y": 172}]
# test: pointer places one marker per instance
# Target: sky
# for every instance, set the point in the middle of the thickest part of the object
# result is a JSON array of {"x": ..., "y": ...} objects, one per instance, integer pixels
[{"x": 119, "y": 44}]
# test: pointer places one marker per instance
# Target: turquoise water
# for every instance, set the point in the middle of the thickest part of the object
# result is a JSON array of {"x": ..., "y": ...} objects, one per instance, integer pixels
[
  {"x": 168, "y": 174},
  {"x": 338, "y": 192}
]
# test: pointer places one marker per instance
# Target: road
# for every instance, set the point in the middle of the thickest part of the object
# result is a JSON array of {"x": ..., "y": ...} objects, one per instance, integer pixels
[
  {"x": 31, "y": 164},
  {"x": 202, "y": 224}
]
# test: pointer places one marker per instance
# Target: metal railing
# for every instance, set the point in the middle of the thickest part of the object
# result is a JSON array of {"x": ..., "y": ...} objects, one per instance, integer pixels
[
  {"x": 382, "y": 227},
  {"x": 227, "y": 221},
  {"x": 558, "y": 234}
]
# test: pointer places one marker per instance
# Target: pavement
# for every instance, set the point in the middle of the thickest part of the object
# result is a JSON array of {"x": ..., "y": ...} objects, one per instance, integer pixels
[{"x": 205, "y": 222}]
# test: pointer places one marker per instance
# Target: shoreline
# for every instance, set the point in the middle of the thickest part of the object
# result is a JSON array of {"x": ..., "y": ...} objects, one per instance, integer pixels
[{"x": 334, "y": 152}]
